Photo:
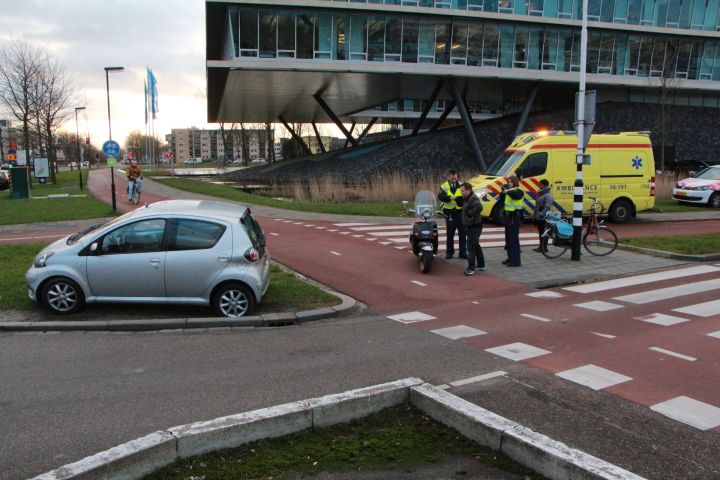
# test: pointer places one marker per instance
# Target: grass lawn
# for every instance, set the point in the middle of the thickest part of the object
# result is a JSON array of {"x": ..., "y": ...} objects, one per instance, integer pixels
[
  {"x": 398, "y": 439},
  {"x": 35, "y": 210},
  {"x": 688, "y": 244},
  {"x": 385, "y": 209},
  {"x": 286, "y": 292},
  {"x": 669, "y": 205}
]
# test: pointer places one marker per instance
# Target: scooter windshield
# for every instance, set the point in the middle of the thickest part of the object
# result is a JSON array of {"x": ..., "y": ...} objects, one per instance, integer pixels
[{"x": 425, "y": 199}]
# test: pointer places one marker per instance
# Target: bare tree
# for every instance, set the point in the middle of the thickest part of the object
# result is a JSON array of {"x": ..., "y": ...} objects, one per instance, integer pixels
[
  {"x": 270, "y": 138},
  {"x": 138, "y": 143},
  {"x": 20, "y": 66},
  {"x": 53, "y": 100}
]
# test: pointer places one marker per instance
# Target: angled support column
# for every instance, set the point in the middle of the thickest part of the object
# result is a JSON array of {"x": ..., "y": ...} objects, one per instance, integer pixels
[
  {"x": 467, "y": 123},
  {"x": 334, "y": 118},
  {"x": 367, "y": 128},
  {"x": 448, "y": 110},
  {"x": 428, "y": 106},
  {"x": 295, "y": 136},
  {"x": 526, "y": 110},
  {"x": 352, "y": 129},
  {"x": 319, "y": 138}
]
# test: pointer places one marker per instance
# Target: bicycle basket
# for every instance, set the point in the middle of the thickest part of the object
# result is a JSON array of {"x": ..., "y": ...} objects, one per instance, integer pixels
[
  {"x": 552, "y": 217},
  {"x": 564, "y": 230}
]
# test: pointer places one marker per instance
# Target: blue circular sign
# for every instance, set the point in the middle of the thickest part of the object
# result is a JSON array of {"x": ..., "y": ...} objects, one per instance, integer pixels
[{"x": 111, "y": 148}]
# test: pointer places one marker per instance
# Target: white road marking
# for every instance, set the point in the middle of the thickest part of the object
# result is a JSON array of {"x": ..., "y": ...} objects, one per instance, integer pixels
[
  {"x": 400, "y": 248},
  {"x": 517, "y": 351},
  {"x": 382, "y": 227},
  {"x": 670, "y": 292},
  {"x": 535, "y": 317},
  {"x": 545, "y": 294},
  {"x": 672, "y": 354},
  {"x": 690, "y": 412},
  {"x": 593, "y": 376},
  {"x": 662, "y": 319},
  {"x": 604, "y": 335},
  {"x": 442, "y": 387},
  {"x": 333, "y": 230},
  {"x": 714, "y": 334},
  {"x": 476, "y": 302},
  {"x": 411, "y": 317},
  {"x": 279, "y": 220},
  {"x": 351, "y": 224},
  {"x": 479, "y": 378},
  {"x": 640, "y": 279},
  {"x": 381, "y": 243},
  {"x": 297, "y": 223},
  {"x": 321, "y": 228},
  {"x": 598, "y": 306},
  {"x": 335, "y": 253},
  {"x": 344, "y": 233},
  {"x": 358, "y": 236},
  {"x": 371, "y": 239},
  {"x": 273, "y": 234},
  {"x": 458, "y": 331},
  {"x": 309, "y": 225},
  {"x": 706, "y": 309},
  {"x": 418, "y": 283}
]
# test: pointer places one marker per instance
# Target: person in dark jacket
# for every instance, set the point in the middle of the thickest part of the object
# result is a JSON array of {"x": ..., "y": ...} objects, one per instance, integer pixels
[
  {"x": 452, "y": 209},
  {"x": 511, "y": 198},
  {"x": 543, "y": 204},
  {"x": 472, "y": 220}
]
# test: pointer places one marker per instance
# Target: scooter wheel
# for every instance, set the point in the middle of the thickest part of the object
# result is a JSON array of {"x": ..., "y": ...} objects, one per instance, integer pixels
[{"x": 425, "y": 259}]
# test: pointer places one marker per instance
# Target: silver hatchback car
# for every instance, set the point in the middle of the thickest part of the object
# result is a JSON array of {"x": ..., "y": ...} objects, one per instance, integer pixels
[{"x": 173, "y": 252}]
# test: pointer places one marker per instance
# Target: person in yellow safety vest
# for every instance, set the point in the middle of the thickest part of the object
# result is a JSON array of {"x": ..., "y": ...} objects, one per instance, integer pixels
[
  {"x": 511, "y": 198},
  {"x": 452, "y": 198}
]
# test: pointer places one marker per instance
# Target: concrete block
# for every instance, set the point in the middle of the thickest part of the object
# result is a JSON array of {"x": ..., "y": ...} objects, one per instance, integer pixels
[
  {"x": 129, "y": 461},
  {"x": 476, "y": 423},
  {"x": 556, "y": 460},
  {"x": 138, "y": 325},
  {"x": 347, "y": 305},
  {"x": 235, "y": 430},
  {"x": 279, "y": 317},
  {"x": 67, "y": 326},
  {"x": 14, "y": 326},
  {"x": 223, "y": 322},
  {"x": 351, "y": 405},
  {"x": 317, "y": 314}
]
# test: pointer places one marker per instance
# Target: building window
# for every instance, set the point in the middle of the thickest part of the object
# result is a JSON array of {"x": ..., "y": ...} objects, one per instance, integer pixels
[{"x": 248, "y": 33}]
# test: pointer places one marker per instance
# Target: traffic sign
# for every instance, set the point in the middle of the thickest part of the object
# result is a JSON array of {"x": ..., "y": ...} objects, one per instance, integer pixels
[
  {"x": 10, "y": 157},
  {"x": 111, "y": 161},
  {"x": 111, "y": 148}
]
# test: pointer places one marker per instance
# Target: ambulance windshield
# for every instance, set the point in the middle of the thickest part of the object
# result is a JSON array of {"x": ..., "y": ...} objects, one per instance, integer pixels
[{"x": 504, "y": 162}]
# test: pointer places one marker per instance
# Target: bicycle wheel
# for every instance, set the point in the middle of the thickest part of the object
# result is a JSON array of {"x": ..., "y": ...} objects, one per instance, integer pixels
[
  {"x": 600, "y": 242},
  {"x": 550, "y": 250}
]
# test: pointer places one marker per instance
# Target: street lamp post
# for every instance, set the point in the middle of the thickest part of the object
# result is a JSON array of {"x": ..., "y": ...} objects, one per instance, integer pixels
[
  {"x": 77, "y": 139},
  {"x": 112, "y": 169}
]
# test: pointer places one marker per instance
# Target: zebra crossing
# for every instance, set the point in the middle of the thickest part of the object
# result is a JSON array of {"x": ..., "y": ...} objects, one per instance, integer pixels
[
  {"x": 397, "y": 235},
  {"x": 688, "y": 308}
]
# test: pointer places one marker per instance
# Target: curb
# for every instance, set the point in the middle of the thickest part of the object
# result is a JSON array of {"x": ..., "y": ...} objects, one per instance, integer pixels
[
  {"x": 710, "y": 257},
  {"x": 347, "y": 306},
  {"x": 144, "y": 455}
]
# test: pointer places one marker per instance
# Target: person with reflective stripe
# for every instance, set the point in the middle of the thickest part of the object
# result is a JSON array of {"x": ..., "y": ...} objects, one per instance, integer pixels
[
  {"x": 512, "y": 201},
  {"x": 452, "y": 198}
]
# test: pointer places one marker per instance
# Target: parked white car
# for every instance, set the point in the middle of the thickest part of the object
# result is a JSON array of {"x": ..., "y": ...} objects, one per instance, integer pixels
[
  {"x": 259, "y": 161},
  {"x": 188, "y": 252},
  {"x": 703, "y": 188},
  {"x": 193, "y": 161}
]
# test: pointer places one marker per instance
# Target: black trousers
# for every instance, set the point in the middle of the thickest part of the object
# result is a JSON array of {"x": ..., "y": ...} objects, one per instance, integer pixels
[
  {"x": 475, "y": 253},
  {"x": 512, "y": 235},
  {"x": 453, "y": 222}
]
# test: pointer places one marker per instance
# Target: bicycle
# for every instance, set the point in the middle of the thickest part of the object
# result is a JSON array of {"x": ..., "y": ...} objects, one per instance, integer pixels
[
  {"x": 133, "y": 191},
  {"x": 597, "y": 239}
]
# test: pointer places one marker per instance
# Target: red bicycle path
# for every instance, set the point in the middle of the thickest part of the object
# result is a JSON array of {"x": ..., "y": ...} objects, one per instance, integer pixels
[{"x": 388, "y": 281}]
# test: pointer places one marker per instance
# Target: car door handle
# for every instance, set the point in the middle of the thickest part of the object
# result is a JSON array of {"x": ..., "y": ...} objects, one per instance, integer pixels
[
  {"x": 223, "y": 258},
  {"x": 155, "y": 262}
]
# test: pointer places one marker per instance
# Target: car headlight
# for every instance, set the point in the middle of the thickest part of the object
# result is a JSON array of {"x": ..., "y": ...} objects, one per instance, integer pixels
[
  {"x": 41, "y": 260},
  {"x": 704, "y": 187}
]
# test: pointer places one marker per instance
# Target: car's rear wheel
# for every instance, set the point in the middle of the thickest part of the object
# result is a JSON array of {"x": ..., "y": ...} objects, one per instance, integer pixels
[
  {"x": 63, "y": 296},
  {"x": 620, "y": 211},
  {"x": 714, "y": 201},
  {"x": 233, "y": 300}
]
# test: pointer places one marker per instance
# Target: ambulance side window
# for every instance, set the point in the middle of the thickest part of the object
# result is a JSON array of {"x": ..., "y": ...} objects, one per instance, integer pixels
[{"x": 534, "y": 165}]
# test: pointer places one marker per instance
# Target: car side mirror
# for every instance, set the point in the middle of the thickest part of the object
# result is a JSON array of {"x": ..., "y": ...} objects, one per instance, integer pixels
[
  {"x": 692, "y": 173},
  {"x": 94, "y": 248}
]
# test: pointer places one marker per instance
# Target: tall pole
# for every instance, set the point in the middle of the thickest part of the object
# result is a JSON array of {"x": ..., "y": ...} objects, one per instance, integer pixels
[
  {"x": 578, "y": 191},
  {"x": 112, "y": 169},
  {"x": 77, "y": 139}
]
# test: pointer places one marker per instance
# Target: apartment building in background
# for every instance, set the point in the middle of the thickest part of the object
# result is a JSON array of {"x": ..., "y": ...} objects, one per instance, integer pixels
[{"x": 208, "y": 144}]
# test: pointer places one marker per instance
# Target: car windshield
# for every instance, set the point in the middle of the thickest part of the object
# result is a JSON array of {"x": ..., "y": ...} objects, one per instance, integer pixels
[
  {"x": 710, "y": 173},
  {"x": 76, "y": 237},
  {"x": 504, "y": 163}
]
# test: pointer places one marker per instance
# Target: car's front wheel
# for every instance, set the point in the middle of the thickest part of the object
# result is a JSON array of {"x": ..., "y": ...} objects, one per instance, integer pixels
[
  {"x": 714, "y": 201},
  {"x": 233, "y": 300},
  {"x": 63, "y": 296}
]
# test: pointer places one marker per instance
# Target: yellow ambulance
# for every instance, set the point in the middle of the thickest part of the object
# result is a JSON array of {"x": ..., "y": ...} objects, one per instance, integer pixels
[{"x": 621, "y": 173}]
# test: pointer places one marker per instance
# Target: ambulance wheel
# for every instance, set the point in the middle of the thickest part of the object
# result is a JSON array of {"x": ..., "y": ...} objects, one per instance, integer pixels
[
  {"x": 620, "y": 211},
  {"x": 714, "y": 201},
  {"x": 497, "y": 215}
]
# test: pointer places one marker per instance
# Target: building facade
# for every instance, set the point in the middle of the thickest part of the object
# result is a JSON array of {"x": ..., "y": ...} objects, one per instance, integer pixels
[{"x": 208, "y": 144}]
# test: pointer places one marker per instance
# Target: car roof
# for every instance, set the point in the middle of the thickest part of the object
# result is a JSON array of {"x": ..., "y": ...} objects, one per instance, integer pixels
[{"x": 205, "y": 208}]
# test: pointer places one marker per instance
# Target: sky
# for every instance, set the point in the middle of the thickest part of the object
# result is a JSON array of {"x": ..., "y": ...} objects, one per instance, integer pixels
[{"x": 89, "y": 35}]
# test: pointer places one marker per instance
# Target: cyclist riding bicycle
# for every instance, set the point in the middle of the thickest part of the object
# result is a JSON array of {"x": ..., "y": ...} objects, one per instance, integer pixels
[{"x": 134, "y": 174}]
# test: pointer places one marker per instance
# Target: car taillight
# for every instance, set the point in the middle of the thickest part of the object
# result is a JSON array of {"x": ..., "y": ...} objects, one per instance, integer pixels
[
  {"x": 652, "y": 186},
  {"x": 252, "y": 255}
]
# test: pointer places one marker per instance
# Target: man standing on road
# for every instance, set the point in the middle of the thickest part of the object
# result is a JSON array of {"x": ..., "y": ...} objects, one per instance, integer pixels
[
  {"x": 543, "y": 203},
  {"x": 511, "y": 198},
  {"x": 472, "y": 220},
  {"x": 451, "y": 196}
]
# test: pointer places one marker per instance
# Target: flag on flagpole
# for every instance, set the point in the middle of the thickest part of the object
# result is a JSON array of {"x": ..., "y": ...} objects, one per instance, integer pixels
[
  {"x": 146, "y": 102},
  {"x": 153, "y": 92}
]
